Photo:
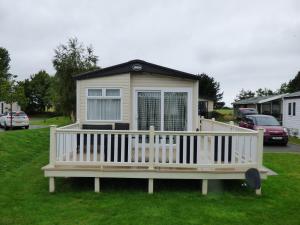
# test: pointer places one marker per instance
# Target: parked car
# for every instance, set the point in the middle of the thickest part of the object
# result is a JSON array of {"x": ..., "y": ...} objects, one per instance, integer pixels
[
  {"x": 242, "y": 112},
  {"x": 18, "y": 119},
  {"x": 273, "y": 132}
]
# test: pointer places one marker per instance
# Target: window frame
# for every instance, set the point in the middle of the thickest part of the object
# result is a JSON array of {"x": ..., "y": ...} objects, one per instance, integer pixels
[
  {"x": 103, "y": 96},
  {"x": 162, "y": 90},
  {"x": 294, "y": 109}
]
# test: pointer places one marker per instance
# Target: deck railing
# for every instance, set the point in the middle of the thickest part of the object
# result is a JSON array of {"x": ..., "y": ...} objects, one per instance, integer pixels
[{"x": 216, "y": 145}]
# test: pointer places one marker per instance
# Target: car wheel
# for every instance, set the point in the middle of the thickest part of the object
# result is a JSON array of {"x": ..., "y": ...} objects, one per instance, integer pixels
[
  {"x": 284, "y": 143},
  {"x": 26, "y": 127},
  {"x": 6, "y": 127}
]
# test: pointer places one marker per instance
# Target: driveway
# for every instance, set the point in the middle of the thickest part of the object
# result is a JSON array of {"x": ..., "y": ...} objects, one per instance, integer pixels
[
  {"x": 31, "y": 127},
  {"x": 278, "y": 148}
]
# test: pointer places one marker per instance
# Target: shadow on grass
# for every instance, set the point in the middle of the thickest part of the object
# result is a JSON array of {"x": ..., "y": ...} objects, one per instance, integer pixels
[{"x": 109, "y": 185}]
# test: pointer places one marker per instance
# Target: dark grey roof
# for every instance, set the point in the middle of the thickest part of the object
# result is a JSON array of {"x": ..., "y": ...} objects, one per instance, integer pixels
[
  {"x": 293, "y": 95},
  {"x": 253, "y": 100},
  {"x": 135, "y": 66}
]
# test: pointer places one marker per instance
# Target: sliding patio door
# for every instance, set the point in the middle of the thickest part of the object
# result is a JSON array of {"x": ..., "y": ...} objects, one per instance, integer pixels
[
  {"x": 175, "y": 111},
  {"x": 165, "y": 110},
  {"x": 149, "y": 110}
]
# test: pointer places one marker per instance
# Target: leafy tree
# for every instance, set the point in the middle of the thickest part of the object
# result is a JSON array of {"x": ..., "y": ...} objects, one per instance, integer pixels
[
  {"x": 38, "y": 92},
  {"x": 244, "y": 94},
  {"x": 70, "y": 59},
  {"x": 4, "y": 64},
  {"x": 209, "y": 88},
  {"x": 294, "y": 84},
  {"x": 264, "y": 92},
  {"x": 283, "y": 89}
]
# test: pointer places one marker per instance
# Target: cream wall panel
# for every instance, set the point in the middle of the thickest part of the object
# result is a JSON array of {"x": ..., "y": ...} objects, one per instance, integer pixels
[
  {"x": 119, "y": 81},
  {"x": 162, "y": 81}
]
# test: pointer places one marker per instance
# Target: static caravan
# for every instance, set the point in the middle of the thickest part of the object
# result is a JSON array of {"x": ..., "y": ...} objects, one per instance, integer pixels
[
  {"x": 140, "y": 120},
  {"x": 291, "y": 113},
  {"x": 4, "y": 107},
  {"x": 139, "y": 94}
]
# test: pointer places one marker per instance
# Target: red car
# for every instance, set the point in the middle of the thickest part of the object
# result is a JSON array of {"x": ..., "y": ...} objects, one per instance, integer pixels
[{"x": 273, "y": 132}]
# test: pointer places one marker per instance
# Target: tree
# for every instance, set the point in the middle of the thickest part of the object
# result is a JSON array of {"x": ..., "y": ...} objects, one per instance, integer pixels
[
  {"x": 244, "y": 95},
  {"x": 209, "y": 88},
  {"x": 4, "y": 64},
  {"x": 283, "y": 89},
  {"x": 38, "y": 92},
  {"x": 70, "y": 59},
  {"x": 264, "y": 92},
  {"x": 294, "y": 84}
]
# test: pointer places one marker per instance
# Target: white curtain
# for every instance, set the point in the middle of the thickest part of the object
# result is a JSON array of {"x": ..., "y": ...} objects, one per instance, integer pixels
[
  {"x": 149, "y": 110},
  {"x": 104, "y": 109},
  {"x": 175, "y": 111}
]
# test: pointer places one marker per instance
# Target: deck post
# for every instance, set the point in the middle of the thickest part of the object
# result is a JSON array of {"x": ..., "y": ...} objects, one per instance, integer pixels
[
  {"x": 204, "y": 186},
  {"x": 97, "y": 184},
  {"x": 258, "y": 191},
  {"x": 52, "y": 149},
  {"x": 51, "y": 184},
  {"x": 200, "y": 122},
  {"x": 212, "y": 124},
  {"x": 150, "y": 185},
  {"x": 260, "y": 147},
  {"x": 151, "y": 147}
]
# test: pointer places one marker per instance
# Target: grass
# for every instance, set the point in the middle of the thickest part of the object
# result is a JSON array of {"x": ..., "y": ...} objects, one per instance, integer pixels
[
  {"x": 46, "y": 121},
  {"x": 24, "y": 196},
  {"x": 226, "y": 115},
  {"x": 294, "y": 140}
]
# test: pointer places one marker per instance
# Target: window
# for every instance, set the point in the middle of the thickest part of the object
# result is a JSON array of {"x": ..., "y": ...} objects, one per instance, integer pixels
[
  {"x": 104, "y": 104},
  {"x": 290, "y": 109},
  {"x": 149, "y": 110},
  {"x": 294, "y": 108},
  {"x": 175, "y": 111},
  {"x": 165, "y": 110}
]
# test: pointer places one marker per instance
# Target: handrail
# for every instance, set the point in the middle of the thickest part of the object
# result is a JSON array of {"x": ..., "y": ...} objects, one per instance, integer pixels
[
  {"x": 144, "y": 132},
  {"x": 227, "y": 125},
  {"x": 75, "y": 125},
  {"x": 244, "y": 146}
]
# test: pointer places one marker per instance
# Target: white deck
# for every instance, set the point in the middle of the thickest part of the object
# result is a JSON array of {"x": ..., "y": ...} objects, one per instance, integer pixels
[{"x": 217, "y": 151}]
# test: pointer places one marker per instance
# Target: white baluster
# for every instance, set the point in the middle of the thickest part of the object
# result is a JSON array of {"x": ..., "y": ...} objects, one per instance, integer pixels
[
  {"x": 88, "y": 147},
  {"x": 177, "y": 148},
  {"x": 116, "y": 148},
  {"x": 129, "y": 147},
  {"x": 109, "y": 148},
  {"x": 143, "y": 147},
  {"x": 95, "y": 150},
  {"x": 184, "y": 149},
  {"x": 81, "y": 148},
  {"x": 170, "y": 148},
  {"x": 136, "y": 148}
]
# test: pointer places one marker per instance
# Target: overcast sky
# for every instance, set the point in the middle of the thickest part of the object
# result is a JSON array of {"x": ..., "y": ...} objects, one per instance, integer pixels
[{"x": 242, "y": 44}]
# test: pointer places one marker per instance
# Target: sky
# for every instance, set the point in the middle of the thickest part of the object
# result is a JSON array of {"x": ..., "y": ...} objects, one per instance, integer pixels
[{"x": 242, "y": 44}]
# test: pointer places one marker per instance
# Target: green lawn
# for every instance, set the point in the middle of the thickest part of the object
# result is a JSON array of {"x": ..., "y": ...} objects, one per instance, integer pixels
[
  {"x": 24, "y": 196},
  {"x": 46, "y": 121},
  {"x": 226, "y": 115},
  {"x": 294, "y": 140}
]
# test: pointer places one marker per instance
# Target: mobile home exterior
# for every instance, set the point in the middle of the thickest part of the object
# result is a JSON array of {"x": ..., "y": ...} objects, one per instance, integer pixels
[
  {"x": 291, "y": 113},
  {"x": 5, "y": 107},
  {"x": 140, "y": 94},
  {"x": 140, "y": 120}
]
